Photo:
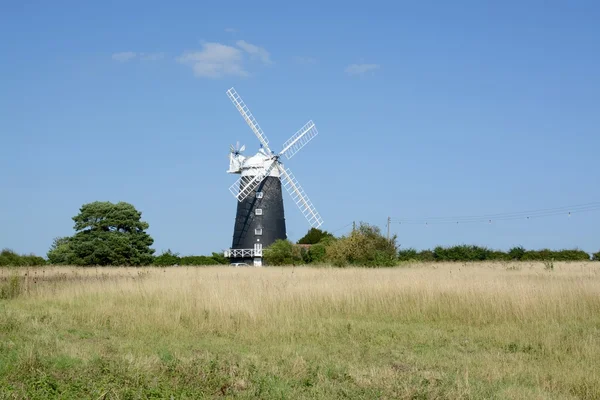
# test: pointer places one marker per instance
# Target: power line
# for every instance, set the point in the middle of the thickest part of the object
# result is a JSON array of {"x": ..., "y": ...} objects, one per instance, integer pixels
[
  {"x": 345, "y": 226},
  {"x": 530, "y": 214}
]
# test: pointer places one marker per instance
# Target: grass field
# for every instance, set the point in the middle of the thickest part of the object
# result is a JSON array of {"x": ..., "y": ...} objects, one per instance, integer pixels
[{"x": 500, "y": 331}]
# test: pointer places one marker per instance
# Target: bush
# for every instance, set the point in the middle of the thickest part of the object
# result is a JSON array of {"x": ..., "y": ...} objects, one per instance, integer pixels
[
  {"x": 170, "y": 258},
  {"x": 461, "y": 253},
  {"x": 166, "y": 258},
  {"x": 11, "y": 258},
  {"x": 219, "y": 258},
  {"x": 282, "y": 252},
  {"x": 365, "y": 246},
  {"x": 317, "y": 253},
  {"x": 516, "y": 253},
  {"x": 408, "y": 255},
  {"x": 596, "y": 256},
  {"x": 314, "y": 236},
  {"x": 560, "y": 255},
  {"x": 196, "y": 260},
  {"x": 426, "y": 256}
]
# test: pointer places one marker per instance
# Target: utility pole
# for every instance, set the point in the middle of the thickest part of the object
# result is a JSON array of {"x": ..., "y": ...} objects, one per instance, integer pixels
[{"x": 389, "y": 220}]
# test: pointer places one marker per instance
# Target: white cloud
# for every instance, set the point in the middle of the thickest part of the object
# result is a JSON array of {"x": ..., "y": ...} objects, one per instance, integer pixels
[
  {"x": 230, "y": 30},
  {"x": 123, "y": 56},
  {"x": 359, "y": 69},
  {"x": 215, "y": 60},
  {"x": 255, "y": 51}
]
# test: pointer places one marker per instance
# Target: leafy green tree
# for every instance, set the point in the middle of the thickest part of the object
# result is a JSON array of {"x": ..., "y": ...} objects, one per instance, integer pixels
[
  {"x": 596, "y": 256},
  {"x": 282, "y": 252},
  {"x": 219, "y": 258},
  {"x": 10, "y": 258},
  {"x": 365, "y": 246},
  {"x": 196, "y": 260},
  {"x": 314, "y": 236},
  {"x": 60, "y": 252},
  {"x": 107, "y": 234},
  {"x": 317, "y": 253},
  {"x": 516, "y": 253},
  {"x": 409, "y": 254},
  {"x": 166, "y": 258}
]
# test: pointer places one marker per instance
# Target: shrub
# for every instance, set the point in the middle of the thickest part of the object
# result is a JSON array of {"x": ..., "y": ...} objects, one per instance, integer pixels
[
  {"x": 516, "y": 253},
  {"x": 426, "y": 256},
  {"x": 314, "y": 236},
  {"x": 408, "y": 255},
  {"x": 166, "y": 258},
  {"x": 365, "y": 246},
  {"x": 461, "y": 253},
  {"x": 596, "y": 256},
  {"x": 219, "y": 258},
  {"x": 197, "y": 260},
  {"x": 560, "y": 255},
  {"x": 317, "y": 253},
  {"x": 11, "y": 258},
  {"x": 282, "y": 252}
]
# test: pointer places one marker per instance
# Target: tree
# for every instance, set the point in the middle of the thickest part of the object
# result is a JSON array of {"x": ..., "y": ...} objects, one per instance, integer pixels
[
  {"x": 10, "y": 258},
  {"x": 107, "y": 234},
  {"x": 60, "y": 252},
  {"x": 314, "y": 236},
  {"x": 596, "y": 256},
  {"x": 167, "y": 258},
  {"x": 282, "y": 252},
  {"x": 364, "y": 246}
]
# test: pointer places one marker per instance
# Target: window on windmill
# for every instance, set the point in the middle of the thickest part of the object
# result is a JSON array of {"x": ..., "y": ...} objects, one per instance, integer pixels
[
  {"x": 258, "y": 231},
  {"x": 259, "y": 195},
  {"x": 258, "y": 211}
]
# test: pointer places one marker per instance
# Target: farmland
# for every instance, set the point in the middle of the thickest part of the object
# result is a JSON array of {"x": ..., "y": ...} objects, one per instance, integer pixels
[{"x": 441, "y": 330}]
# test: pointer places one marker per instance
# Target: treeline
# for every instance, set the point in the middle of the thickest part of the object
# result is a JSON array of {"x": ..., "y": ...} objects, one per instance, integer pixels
[
  {"x": 11, "y": 258},
  {"x": 114, "y": 234},
  {"x": 364, "y": 246},
  {"x": 466, "y": 253},
  {"x": 168, "y": 258}
]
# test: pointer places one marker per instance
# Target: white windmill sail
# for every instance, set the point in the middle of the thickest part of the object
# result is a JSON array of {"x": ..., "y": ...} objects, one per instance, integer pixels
[
  {"x": 248, "y": 117},
  {"x": 251, "y": 182},
  {"x": 293, "y": 187},
  {"x": 299, "y": 140}
]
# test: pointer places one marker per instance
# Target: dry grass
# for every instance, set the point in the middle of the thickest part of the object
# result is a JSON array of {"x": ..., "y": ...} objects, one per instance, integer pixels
[{"x": 441, "y": 330}]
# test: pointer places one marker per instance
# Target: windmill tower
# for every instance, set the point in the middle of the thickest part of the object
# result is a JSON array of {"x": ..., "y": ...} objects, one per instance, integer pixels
[{"x": 260, "y": 219}]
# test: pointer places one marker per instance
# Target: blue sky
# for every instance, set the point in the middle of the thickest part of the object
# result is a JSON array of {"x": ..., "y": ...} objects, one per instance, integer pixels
[{"x": 423, "y": 109}]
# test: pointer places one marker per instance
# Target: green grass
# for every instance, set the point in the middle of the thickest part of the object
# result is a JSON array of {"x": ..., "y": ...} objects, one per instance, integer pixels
[{"x": 417, "y": 332}]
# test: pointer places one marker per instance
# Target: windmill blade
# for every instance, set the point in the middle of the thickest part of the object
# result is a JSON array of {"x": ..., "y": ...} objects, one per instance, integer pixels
[
  {"x": 300, "y": 198},
  {"x": 248, "y": 117},
  {"x": 299, "y": 140},
  {"x": 251, "y": 183}
]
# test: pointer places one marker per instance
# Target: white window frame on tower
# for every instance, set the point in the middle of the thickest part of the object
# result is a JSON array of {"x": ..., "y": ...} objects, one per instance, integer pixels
[
  {"x": 259, "y": 195},
  {"x": 258, "y": 211},
  {"x": 258, "y": 231}
]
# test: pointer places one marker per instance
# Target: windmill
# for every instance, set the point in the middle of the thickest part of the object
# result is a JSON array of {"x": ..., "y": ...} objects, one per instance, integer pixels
[{"x": 260, "y": 218}]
